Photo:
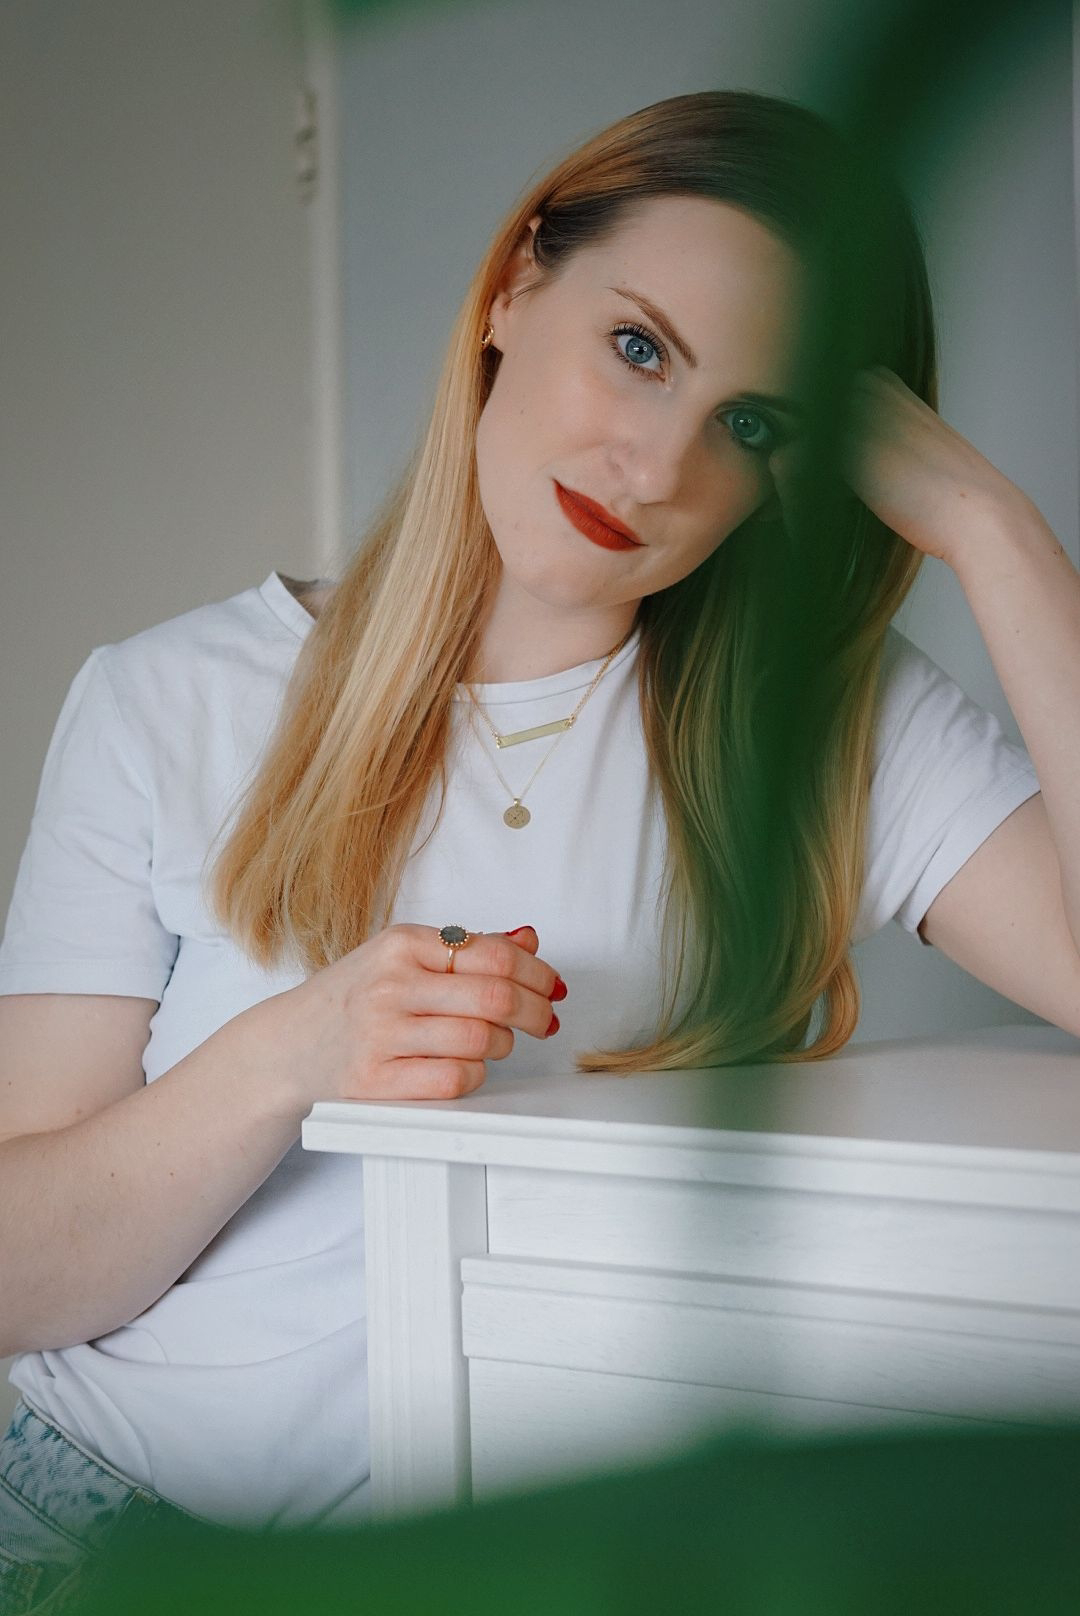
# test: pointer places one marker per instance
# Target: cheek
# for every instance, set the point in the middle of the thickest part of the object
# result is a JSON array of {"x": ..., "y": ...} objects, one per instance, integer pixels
[
  {"x": 486, "y": 433},
  {"x": 502, "y": 432},
  {"x": 738, "y": 486},
  {"x": 588, "y": 406},
  {"x": 537, "y": 413},
  {"x": 496, "y": 467}
]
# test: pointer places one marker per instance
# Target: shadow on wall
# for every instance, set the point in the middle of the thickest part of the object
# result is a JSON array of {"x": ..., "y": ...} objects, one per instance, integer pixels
[{"x": 8, "y": 1394}]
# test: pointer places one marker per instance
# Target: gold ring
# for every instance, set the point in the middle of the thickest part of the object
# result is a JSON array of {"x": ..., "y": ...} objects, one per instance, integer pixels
[{"x": 454, "y": 937}]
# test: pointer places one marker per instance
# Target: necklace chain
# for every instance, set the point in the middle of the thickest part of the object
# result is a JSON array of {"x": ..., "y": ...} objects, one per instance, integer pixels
[{"x": 516, "y": 816}]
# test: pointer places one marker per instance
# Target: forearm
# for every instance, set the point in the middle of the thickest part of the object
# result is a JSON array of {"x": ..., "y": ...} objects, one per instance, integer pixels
[
  {"x": 1024, "y": 593},
  {"x": 98, "y": 1219}
]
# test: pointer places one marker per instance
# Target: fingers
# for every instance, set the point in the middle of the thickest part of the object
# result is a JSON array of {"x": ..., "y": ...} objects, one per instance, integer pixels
[
  {"x": 499, "y": 1000},
  {"x": 422, "y": 1079},
  {"x": 457, "y": 1037},
  {"x": 388, "y": 1021},
  {"x": 497, "y": 979},
  {"x": 489, "y": 954}
]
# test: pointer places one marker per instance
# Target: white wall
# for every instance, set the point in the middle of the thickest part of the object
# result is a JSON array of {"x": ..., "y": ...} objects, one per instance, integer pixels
[
  {"x": 447, "y": 113},
  {"x": 155, "y": 319},
  {"x": 156, "y": 395}
]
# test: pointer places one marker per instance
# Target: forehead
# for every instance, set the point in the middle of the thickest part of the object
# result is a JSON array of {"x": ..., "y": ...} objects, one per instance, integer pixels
[{"x": 723, "y": 277}]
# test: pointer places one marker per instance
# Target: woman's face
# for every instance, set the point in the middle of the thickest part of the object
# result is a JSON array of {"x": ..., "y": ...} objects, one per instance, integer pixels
[{"x": 592, "y": 394}]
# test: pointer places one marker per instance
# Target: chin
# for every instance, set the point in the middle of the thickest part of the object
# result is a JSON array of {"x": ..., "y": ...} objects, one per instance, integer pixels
[
  {"x": 558, "y": 581},
  {"x": 564, "y": 590}
]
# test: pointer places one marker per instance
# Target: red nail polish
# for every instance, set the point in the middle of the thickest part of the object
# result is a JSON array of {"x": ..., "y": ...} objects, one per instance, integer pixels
[
  {"x": 554, "y": 1025},
  {"x": 559, "y": 990},
  {"x": 516, "y": 930}
]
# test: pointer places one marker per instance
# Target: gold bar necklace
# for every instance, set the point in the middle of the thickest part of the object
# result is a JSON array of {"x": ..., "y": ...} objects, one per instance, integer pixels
[
  {"x": 534, "y": 734},
  {"x": 517, "y": 814}
]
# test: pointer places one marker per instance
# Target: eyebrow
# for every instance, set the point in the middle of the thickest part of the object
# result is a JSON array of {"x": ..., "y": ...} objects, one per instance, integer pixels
[{"x": 787, "y": 406}]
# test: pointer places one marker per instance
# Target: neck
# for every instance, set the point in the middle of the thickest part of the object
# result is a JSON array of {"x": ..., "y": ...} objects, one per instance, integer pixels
[{"x": 521, "y": 638}]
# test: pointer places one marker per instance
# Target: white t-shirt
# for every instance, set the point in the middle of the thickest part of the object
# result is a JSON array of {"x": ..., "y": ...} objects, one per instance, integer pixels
[{"x": 240, "y": 1394}]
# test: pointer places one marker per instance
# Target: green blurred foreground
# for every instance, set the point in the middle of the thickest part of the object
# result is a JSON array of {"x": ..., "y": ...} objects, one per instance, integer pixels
[{"x": 960, "y": 1523}]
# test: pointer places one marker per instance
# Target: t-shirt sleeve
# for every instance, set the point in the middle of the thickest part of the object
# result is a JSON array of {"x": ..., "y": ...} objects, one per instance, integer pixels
[
  {"x": 82, "y": 917},
  {"x": 945, "y": 776}
]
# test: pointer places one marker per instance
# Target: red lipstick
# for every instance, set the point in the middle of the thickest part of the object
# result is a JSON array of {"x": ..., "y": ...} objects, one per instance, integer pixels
[{"x": 594, "y": 521}]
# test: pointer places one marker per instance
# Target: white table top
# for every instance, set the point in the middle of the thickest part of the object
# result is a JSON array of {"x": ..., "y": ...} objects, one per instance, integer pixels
[{"x": 1004, "y": 1091}]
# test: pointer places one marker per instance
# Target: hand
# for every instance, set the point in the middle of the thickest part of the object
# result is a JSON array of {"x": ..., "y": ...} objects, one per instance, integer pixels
[
  {"x": 918, "y": 476},
  {"x": 389, "y": 1022}
]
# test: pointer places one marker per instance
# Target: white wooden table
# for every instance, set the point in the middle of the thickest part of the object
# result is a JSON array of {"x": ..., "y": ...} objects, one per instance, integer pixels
[{"x": 586, "y": 1270}]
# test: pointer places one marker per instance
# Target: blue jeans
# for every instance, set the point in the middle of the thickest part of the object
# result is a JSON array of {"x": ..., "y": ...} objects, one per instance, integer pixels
[{"x": 59, "y": 1507}]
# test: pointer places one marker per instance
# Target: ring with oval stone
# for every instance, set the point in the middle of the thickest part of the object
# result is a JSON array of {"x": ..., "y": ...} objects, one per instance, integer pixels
[{"x": 454, "y": 937}]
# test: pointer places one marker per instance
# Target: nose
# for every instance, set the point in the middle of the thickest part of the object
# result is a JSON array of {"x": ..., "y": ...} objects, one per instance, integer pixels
[{"x": 654, "y": 456}]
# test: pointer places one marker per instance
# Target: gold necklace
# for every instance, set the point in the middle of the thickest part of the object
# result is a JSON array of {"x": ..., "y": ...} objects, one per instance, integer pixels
[{"x": 517, "y": 816}]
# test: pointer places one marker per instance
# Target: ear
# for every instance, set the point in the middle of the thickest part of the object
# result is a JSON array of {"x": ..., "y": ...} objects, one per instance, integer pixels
[{"x": 519, "y": 271}]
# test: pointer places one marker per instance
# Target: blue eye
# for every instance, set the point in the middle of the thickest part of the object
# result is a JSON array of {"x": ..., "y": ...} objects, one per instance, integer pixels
[
  {"x": 748, "y": 426},
  {"x": 639, "y": 350},
  {"x": 757, "y": 433}
]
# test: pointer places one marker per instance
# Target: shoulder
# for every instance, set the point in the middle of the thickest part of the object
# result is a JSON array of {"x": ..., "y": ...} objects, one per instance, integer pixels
[
  {"x": 236, "y": 637},
  {"x": 914, "y": 694},
  {"x": 902, "y": 662},
  {"x": 932, "y": 736},
  {"x": 217, "y": 669}
]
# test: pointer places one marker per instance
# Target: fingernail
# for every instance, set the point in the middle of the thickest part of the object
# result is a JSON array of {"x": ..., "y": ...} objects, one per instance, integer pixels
[
  {"x": 516, "y": 930},
  {"x": 554, "y": 1025},
  {"x": 559, "y": 990}
]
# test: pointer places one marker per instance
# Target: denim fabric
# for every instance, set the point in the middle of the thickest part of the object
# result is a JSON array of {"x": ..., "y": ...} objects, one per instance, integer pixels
[{"x": 59, "y": 1507}]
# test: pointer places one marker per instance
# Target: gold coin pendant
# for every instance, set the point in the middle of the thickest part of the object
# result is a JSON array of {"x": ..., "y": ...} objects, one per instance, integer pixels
[{"x": 516, "y": 816}]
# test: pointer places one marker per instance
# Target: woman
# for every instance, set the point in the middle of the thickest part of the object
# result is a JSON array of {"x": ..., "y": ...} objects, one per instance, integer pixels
[{"x": 257, "y": 821}]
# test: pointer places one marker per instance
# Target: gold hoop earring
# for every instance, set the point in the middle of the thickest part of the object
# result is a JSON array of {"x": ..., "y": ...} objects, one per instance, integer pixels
[{"x": 489, "y": 336}]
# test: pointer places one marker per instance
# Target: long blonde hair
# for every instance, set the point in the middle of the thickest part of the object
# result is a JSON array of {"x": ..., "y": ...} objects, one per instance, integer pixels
[{"x": 758, "y": 698}]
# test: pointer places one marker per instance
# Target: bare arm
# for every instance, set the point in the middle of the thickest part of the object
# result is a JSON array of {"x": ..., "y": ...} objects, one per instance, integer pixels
[
  {"x": 100, "y": 1215},
  {"x": 110, "y": 1189}
]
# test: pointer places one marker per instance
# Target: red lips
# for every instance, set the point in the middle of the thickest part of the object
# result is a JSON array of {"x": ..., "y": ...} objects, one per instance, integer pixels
[{"x": 592, "y": 519}]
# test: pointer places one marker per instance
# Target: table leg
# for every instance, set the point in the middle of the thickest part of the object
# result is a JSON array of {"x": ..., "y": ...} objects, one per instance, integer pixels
[{"x": 421, "y": 1218}]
